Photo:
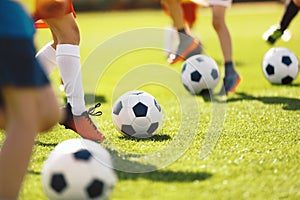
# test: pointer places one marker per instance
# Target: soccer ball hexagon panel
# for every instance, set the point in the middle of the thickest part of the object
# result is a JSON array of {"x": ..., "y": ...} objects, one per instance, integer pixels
[
  {"x": 198, "y": 73},
  {"x": 280, "y": 65},
  {"x": 137, "y": 114}
]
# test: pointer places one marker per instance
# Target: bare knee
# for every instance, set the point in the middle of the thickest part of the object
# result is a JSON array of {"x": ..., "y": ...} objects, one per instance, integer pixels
[
  {"x": 218, "y": 18},
  {"x": 218, "y": 24},
  {"x": 49, "y": 118}
]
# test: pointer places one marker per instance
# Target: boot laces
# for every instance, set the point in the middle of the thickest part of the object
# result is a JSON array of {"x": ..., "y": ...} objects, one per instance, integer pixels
[{"x": 92, "y": 110}]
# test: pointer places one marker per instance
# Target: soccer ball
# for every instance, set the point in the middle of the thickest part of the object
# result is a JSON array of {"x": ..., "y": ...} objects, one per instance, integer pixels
[
  {"x": 78, "y": 169},
  {"x": 199, "y": 72},
  {"x": 137, "y": 114},
  {"x": 280, "y": 65}
]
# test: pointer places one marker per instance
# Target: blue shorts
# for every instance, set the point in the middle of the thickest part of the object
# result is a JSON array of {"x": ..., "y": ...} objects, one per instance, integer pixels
[{"x": 18, "y": 64}]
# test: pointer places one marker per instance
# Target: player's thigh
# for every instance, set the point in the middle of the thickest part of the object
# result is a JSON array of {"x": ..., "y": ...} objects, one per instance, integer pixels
[
  {"x": 65, "y": 29},
  {"x": 33, "y": 107},
  {"x": 21, "y": 107},
  {"x": 218, "y": 16},
  {"x": 218, "y": 12}
]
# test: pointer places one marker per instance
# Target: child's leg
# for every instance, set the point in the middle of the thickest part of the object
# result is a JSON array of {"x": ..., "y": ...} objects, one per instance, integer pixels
[
  {"x": 21, "y": 130},
  {"x": 291, "y": 11},
  {"x": 221, "y": 29},
  {"x": 51, "y": 114},
  {"x": 66, "y": 32},
  {"x": 176, "y": 13},
  {"x": 25, "y": 112},
  {"x": 47, "y": 57},
  {"x": 66, "y": 35},
  {"x": 48, "y": 115},
  {"x": 231, "y": 78}
]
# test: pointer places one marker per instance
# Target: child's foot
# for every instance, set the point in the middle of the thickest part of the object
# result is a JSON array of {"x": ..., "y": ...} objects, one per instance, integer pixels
[
  {"x": 230, "y": 83},
  {"x": 272, "y": 34},
  {"x": 190, "y": 47},
  {"x": 82, "y": 124}
]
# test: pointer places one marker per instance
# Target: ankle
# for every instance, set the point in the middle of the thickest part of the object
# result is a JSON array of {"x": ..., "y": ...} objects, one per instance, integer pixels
[{"x": 229, "y": 68}]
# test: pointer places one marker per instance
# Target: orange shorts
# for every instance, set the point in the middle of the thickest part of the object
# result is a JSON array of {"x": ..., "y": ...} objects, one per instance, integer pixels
[{"x": 39, "y": 23}]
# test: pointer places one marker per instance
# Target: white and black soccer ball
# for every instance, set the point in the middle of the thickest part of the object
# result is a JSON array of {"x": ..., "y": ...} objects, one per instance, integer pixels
[
  {"x": 78, "y": 169},
  {"x": 280, "y": 65},
  {"x": 137, "y": 114},
  {"x": 200, "y": 72}
]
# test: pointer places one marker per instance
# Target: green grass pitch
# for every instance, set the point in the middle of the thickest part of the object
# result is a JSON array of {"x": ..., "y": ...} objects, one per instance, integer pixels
[{"x": 257, "y": 155}]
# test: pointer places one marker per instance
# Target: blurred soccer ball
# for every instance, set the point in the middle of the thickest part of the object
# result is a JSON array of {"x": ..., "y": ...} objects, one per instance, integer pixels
[
  {"x": 280, "y": 65},
  {"x": 78, "y": 169},
  {"x": 199, "y": 72},
  {"x": 137, "y": 114}
]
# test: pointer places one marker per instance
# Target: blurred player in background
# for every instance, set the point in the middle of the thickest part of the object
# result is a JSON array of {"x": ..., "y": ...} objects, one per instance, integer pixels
[
  {"x": 190, "y": 11},
  {"x": 231, "y": 78},
  {"x": 179, "y": 42},
  {"x": 188, "y": 45},
  {"x": 280, "y": 31},
  {"x": 64, "y": 52},
  {"x": 24, "y": 91}
]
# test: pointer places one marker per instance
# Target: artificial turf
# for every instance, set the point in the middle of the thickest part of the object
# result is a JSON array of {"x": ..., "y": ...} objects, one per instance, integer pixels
[{"x": 246, "y": 146}]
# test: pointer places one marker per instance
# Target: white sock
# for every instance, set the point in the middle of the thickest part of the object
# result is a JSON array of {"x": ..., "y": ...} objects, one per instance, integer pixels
[
  {"x": 47, "y": 57},
  {"x": 171, "y": 40},
  {"x": 68, "y": 61}
]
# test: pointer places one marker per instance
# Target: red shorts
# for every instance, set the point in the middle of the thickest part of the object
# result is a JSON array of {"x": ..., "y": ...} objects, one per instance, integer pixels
[
  {"x": 39, "y": 23},
  {"x": 189, "y": 9}
]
